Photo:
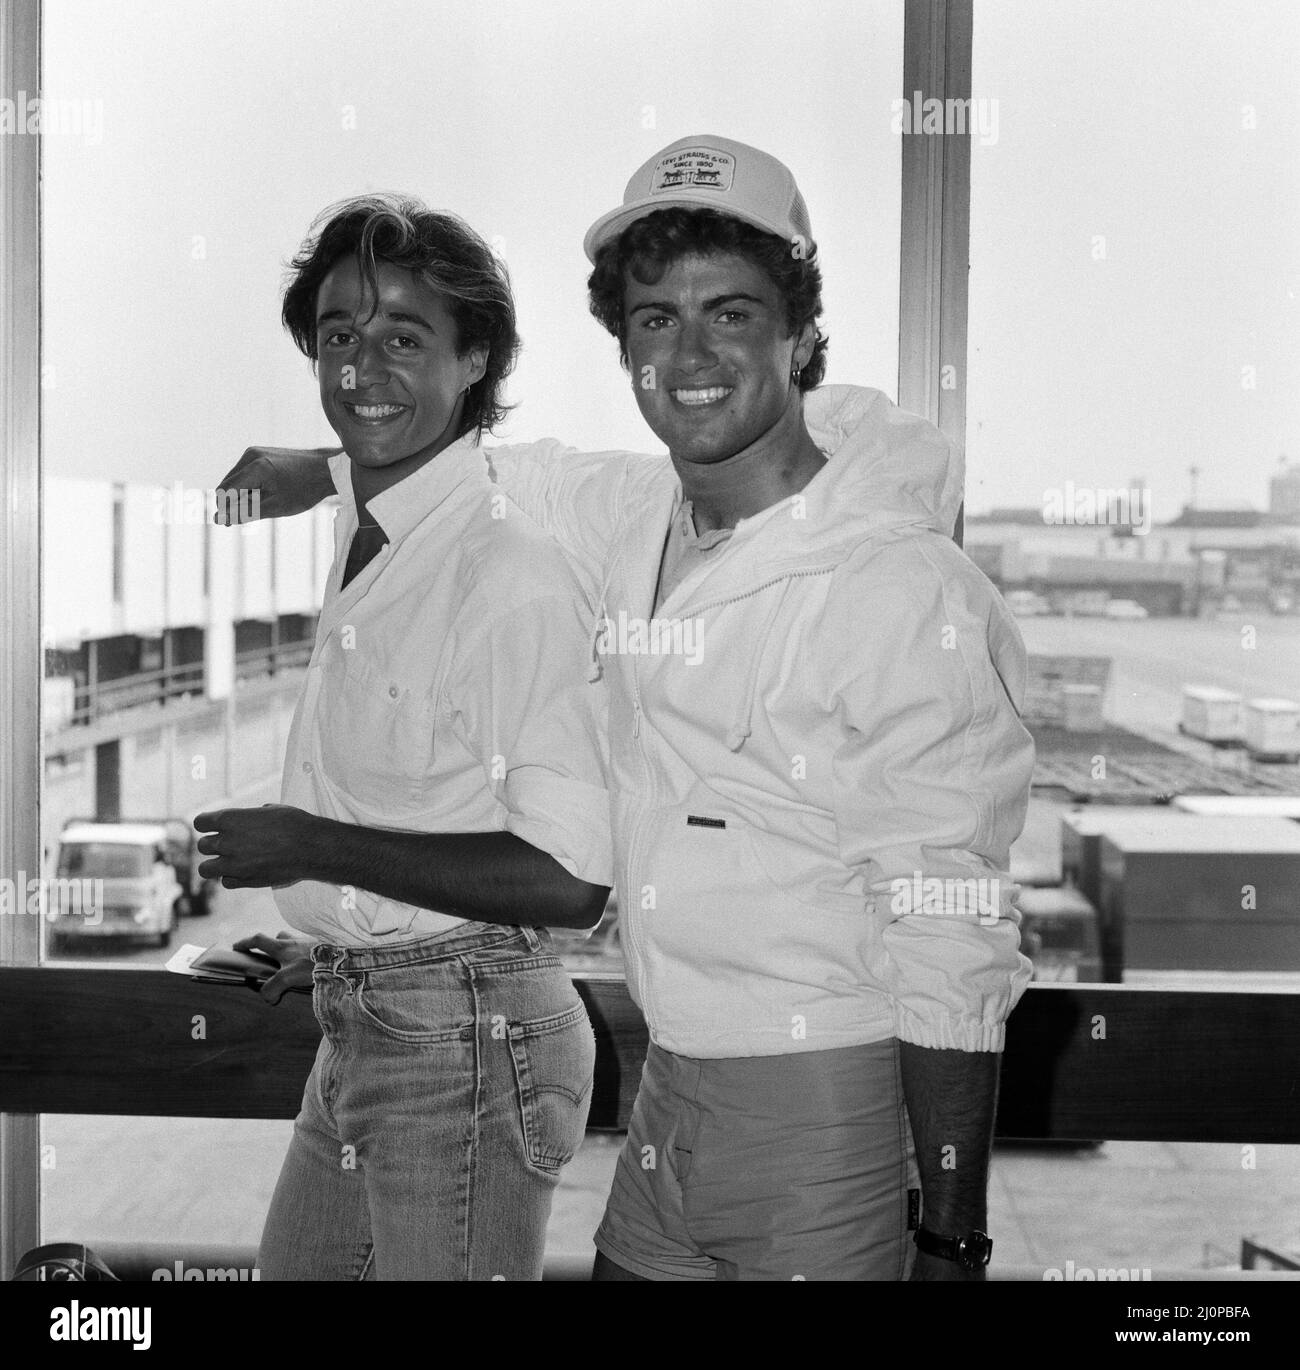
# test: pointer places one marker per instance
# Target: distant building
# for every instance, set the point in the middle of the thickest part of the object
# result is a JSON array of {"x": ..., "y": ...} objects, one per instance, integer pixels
[
  {"x": 1031, "y": 516},
  {"x": 1284, "y": 494},
  {"x": 173, "y": 648},
  {"x": 1203, "y": 560},
  {"x": 137, "y": 581},
  {"x": 1218, "y": 518}
]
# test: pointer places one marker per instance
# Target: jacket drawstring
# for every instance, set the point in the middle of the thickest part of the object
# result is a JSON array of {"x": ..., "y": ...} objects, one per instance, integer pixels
[
  {"x": 740, "y": 728},
  {"x": 597, "y": 668}
]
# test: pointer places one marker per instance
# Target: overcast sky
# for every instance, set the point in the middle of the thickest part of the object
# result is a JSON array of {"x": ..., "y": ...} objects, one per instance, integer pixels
[{"x": 227, "y": 125}]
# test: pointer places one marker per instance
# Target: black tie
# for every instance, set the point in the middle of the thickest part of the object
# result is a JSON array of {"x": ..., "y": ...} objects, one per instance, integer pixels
[{"x": 366, "y": 544}]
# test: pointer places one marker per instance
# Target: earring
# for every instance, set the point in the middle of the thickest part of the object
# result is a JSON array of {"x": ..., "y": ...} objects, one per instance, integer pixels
[{"x": 795, "y": 373}]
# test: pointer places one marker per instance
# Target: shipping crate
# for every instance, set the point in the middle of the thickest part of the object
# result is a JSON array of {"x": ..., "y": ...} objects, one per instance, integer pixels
[
  {"x": 1081, "y": 832},
  {"x": 1241, "y": 805},
  {"x": 1271, "y": 728},
  {"x": 1208, "y": 893},
  {"x": 1212, "y": 714},
  {"x": 1048, "y": 675},
  {"x": 1081, "y": 708}
]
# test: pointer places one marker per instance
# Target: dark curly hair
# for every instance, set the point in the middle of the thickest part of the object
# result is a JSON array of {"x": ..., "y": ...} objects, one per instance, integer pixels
[
  {"x": 445, "y": 253},
  {"x": 649, "y": 246}
]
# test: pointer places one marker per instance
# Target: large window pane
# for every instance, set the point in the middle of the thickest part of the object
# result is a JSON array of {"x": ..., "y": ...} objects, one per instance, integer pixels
[
  {"x": 1135, "y": 218},
  {"x": 1134, "y": 467},
  {"x": 197, "y": 143}
]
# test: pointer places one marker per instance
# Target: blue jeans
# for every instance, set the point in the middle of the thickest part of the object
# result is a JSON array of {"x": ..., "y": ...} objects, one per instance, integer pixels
[{"x": 451, "y": 1087}]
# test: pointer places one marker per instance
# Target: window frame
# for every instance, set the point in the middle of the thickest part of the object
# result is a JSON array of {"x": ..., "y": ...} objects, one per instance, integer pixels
[
  {"x": 20, "y": 589},
  {"x": 934, "y": 248}
]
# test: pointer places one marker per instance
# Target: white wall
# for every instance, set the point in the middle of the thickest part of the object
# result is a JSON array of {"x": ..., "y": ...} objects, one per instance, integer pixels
[
  {"x": 220, "y": 642},
  {"x": 185, "y": 601},
  {"x": 77, "y": 531},
  {"x": 77, "y": 559},
  {"x": 297, "y": 583},
  {"x": 253, "y": 593},
  {"x": 144, "y": 518}
]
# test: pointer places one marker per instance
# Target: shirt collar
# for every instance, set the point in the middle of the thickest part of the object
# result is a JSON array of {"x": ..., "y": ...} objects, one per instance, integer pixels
[{"x": 402, "y": 506}]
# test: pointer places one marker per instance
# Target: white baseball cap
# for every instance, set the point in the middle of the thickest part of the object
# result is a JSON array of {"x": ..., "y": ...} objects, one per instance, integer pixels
[{"x": 705, "y": 172}]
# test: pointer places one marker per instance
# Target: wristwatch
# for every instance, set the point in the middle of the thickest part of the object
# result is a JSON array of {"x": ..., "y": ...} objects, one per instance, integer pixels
[{"x": 971, "y": 1252}]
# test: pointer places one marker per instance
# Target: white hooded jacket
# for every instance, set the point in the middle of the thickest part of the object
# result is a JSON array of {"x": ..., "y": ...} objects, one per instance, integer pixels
[{"x": 817, "y": 760}]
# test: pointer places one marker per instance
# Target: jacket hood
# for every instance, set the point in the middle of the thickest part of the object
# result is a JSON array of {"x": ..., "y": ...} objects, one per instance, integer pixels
[{"x": 886, "y": 469}]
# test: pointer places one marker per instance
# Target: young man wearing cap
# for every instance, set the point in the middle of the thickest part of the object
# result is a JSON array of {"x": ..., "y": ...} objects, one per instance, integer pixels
[{"x": 817, "y": 762}]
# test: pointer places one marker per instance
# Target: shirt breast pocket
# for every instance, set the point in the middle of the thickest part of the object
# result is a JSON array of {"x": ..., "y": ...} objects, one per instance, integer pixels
[{"x": 376, "y": 737}]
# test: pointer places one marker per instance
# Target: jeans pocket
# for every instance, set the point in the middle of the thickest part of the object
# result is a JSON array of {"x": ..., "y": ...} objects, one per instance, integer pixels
[
  {"x": 419, "y": 1004},
  {"x": 555, "y": 1061}
]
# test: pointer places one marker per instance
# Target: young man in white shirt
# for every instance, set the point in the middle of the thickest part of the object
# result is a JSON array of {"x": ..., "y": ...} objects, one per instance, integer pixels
[
  {"x": 817, "y": 762},
  {"x": 443, "y": 798}
]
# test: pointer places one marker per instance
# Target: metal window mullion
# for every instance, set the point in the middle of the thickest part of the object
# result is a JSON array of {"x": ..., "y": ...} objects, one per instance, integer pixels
[
  {"x": 20, "y": 563},
  {"x": 934, "y": 255}
]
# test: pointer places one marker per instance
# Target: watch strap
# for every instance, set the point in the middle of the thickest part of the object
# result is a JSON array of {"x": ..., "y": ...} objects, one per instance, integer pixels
[{"x": 951, "y": 1248}]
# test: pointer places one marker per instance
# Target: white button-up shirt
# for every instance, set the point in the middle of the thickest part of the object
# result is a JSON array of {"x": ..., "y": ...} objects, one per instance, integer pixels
[{"x": 447, "y": 693}]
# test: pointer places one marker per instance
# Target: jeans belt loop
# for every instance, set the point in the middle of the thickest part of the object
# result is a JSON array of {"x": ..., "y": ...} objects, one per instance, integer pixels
[
  {"x": 534, "y": 942},
  {"x": 340, "y": 955}
]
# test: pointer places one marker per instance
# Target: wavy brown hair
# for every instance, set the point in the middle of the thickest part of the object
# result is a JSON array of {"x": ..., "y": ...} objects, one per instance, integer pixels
[{"x": 443, "y": 252}]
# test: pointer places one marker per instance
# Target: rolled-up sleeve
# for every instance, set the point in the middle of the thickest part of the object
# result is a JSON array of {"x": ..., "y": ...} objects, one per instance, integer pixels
[
  {"x": 931, "y": 787},
  {"x": 523, "y": 705}
]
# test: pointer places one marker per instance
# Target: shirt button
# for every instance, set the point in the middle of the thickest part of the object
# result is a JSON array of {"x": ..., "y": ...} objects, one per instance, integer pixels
[{"x": 393, "y": 692}]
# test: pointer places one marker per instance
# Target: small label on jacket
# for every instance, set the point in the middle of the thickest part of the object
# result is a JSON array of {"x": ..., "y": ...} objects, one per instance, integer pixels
[{"x": 694, "y": 820}]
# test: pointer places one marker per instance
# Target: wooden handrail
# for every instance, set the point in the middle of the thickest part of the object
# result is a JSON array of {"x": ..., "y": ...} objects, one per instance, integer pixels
[{"x": 1082, "y": 1062}]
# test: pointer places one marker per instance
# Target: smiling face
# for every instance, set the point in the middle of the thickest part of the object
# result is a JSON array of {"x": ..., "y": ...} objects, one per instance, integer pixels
[
  {"x": 391, "y": 379},
  {"x": 713, "y": 330}
]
